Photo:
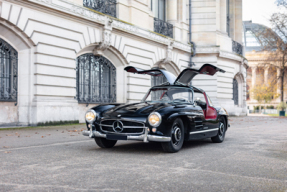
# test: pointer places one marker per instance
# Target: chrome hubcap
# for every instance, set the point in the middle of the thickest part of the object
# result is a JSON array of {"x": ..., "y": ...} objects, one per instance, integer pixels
[{"x": 176, "y": 136}]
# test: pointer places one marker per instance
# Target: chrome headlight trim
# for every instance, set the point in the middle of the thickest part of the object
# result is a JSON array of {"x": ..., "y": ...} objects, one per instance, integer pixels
[
  {"x": 159, "y": 116},
  {"x": 91, "y": 111}
]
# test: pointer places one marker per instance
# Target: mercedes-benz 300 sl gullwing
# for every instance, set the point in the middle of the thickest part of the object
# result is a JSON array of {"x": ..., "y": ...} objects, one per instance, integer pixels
[{"x": 170, "y": 113}]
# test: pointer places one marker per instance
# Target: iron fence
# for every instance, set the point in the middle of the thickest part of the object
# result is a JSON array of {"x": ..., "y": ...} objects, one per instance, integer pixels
[
  {"x": 163, "y": 27},
  {"x": 237, "y": 47}
]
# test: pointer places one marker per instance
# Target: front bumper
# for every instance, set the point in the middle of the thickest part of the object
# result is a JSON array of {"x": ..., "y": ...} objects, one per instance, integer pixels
[{"x": 144, "y": 137}]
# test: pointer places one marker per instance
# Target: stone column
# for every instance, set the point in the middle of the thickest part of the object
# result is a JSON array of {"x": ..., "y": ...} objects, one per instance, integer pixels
[
  {"x": 266, "y": 69},
  {"x": 254, "y": 69},
  {"x": 278, "y": 81},
  {"x": 171, "y": 11}
]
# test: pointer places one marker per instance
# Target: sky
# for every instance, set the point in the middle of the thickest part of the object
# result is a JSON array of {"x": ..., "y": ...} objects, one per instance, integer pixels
[{"x": 259, "y": 11}]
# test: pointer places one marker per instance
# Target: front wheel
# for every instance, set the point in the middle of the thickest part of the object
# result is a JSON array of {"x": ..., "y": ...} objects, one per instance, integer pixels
[
  {"x": 219, "y": 138},
  {"x": 177, "y": 137},
  {"x": 104, "y": 143}
]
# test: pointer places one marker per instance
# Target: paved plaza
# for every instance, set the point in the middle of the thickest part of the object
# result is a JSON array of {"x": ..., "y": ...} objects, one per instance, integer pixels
[{"x": 252, "y": 158}]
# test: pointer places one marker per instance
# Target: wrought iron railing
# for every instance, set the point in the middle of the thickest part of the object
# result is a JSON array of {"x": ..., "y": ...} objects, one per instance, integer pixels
[
  {"x": 163, "y": 27},
  {"x": 237, "y": 47},
  {"x": 104, "y": 6},
  {"x": 96, "y": 79},
  {"x": 8, "y": 72}
]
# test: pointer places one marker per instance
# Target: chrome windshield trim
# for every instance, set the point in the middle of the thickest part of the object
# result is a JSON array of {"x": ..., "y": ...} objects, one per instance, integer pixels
[{"x": 204, "y": 131}]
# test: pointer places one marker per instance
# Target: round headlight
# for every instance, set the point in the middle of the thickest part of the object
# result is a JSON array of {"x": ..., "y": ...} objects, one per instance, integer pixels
[
  {"x": 154, "y": 119},
  {"x": 91, "y": 116}
]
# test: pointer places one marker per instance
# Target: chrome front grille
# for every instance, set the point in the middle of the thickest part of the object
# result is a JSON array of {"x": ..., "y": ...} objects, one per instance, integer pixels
[{"x": 127, "y": 127}]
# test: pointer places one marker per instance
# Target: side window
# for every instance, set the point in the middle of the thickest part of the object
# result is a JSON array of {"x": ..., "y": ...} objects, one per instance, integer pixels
[
  {"x": 96, "y": 79},
  {"x": 187, "y": 96},
  {"x": 199, "y": 100}
]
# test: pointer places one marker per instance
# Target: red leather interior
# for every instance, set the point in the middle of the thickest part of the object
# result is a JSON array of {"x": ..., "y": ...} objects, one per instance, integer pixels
[{"x": 210, "y": 112}]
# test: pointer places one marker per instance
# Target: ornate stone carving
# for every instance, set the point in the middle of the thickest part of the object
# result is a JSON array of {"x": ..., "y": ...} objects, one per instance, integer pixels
[
  {"x": 106, "y": 38},
  {"x": 169, "y": 48}
]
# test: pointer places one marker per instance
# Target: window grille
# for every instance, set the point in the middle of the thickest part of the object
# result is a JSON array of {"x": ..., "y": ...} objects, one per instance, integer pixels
[
  {"x": 235, "y": 91},
  {"x": 96, "y": 79},
  {"x": 108, "y": 7},
  {"x": 8, "y": 72}
]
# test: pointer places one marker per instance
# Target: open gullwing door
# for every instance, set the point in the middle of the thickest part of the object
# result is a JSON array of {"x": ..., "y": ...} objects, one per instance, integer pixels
[
  {"x": 188, "y": 74},
  {"x": 153, "y": 72}
]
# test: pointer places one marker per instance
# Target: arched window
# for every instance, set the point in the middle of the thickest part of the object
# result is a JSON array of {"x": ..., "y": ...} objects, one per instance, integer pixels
[
  {"x": 235, "y": 91},
  {"x": 96, "y": 79},
  {"x": 8, "y": 72}
]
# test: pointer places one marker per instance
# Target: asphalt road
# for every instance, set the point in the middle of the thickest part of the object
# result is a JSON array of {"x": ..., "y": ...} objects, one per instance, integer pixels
[{"x": 253, "y": 157}]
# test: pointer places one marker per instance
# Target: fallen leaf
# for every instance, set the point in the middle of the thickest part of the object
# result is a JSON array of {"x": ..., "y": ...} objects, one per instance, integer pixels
[
  {"x": 36, "y": 133},
  {"x": 48, "y": 134},
  {"x": 9, "y": 135},
  {"x": 72, "y": 135},
  {"x": 18, "y": 135},
  {"x": 27, "y": 136},
  {"x": 7, "y": 151},
  {"x": 5, "y": 147},
  {"x": 62, "y": 131},
  {"x": 43, "y": 136},
  {"x": 72, "y": 130}
]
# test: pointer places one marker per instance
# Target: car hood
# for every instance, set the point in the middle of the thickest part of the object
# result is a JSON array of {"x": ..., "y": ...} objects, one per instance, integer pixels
[{"x": 139, "y": 111}]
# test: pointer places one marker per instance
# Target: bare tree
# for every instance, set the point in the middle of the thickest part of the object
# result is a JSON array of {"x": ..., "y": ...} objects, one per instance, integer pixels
[{"x": 275, "y": 41}]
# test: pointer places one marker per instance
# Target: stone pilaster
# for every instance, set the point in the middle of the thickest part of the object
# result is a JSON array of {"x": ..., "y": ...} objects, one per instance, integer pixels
[
  {"x": 266, "y": 70},
  {"x": 171, "y": 11}
]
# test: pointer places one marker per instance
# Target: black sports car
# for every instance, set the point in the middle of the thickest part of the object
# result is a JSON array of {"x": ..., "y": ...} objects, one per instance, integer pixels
[{"x": 170, "y": 113}]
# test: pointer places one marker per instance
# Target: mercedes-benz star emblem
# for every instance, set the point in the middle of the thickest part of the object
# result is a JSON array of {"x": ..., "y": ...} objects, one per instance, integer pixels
[{"x": 118, "y": 126}]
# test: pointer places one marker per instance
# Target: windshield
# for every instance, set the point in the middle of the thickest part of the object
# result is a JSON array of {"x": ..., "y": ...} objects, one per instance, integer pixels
[{"x": 168, "y": 95}]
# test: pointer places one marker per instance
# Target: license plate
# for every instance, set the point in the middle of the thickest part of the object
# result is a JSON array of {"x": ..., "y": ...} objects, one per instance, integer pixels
[{"x": 116, "y": 137}]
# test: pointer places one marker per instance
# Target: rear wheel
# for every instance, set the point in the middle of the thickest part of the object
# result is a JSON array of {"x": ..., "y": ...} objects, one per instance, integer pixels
[
  {"x": 177, "y": 137},
  {"x": 219, "y": 138},
  {"x": 104, "y": 143}
]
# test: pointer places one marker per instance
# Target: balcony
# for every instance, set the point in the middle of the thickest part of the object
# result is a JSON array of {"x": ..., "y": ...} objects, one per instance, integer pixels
[
  {"x": 237, "y": 47},
  {"x": 107, "y": 7},
  {"x": 163, "y": 27}
]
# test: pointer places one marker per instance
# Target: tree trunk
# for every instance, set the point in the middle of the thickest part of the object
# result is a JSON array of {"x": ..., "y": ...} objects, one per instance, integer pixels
[{"x": 282, "y": 79}]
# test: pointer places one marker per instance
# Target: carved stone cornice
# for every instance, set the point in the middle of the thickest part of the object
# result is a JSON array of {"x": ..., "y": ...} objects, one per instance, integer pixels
[
  {"x": 83, "y": 12},
  {"x": 230, "y": 55}
]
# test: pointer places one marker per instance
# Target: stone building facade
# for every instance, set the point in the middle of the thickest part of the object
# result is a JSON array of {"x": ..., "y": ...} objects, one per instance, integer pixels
[
  {"x": 70, "y": 54},
  {"x": 263, "y": 67}
]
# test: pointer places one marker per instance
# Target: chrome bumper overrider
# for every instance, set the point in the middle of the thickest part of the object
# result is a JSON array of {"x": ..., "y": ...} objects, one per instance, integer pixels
[{"x": 144, "y": 137}]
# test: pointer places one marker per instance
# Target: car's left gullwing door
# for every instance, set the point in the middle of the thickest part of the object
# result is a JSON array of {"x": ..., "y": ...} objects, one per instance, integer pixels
[
  {"x": 153, "y": 72},
  {"x": 189, "y": 73}
]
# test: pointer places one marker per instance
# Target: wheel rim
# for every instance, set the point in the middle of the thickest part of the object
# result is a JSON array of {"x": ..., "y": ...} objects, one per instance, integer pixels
[
  {"x": 176, "y": 135},
  {"x": 221, "y": 130}
]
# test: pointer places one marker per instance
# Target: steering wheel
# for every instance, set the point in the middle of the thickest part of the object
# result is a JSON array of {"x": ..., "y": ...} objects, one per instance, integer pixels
[{"x": 180, "y": 100}]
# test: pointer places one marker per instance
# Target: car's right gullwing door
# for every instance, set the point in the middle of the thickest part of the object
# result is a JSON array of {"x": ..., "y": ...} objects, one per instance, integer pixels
[{"x": 188, "y": 74}]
